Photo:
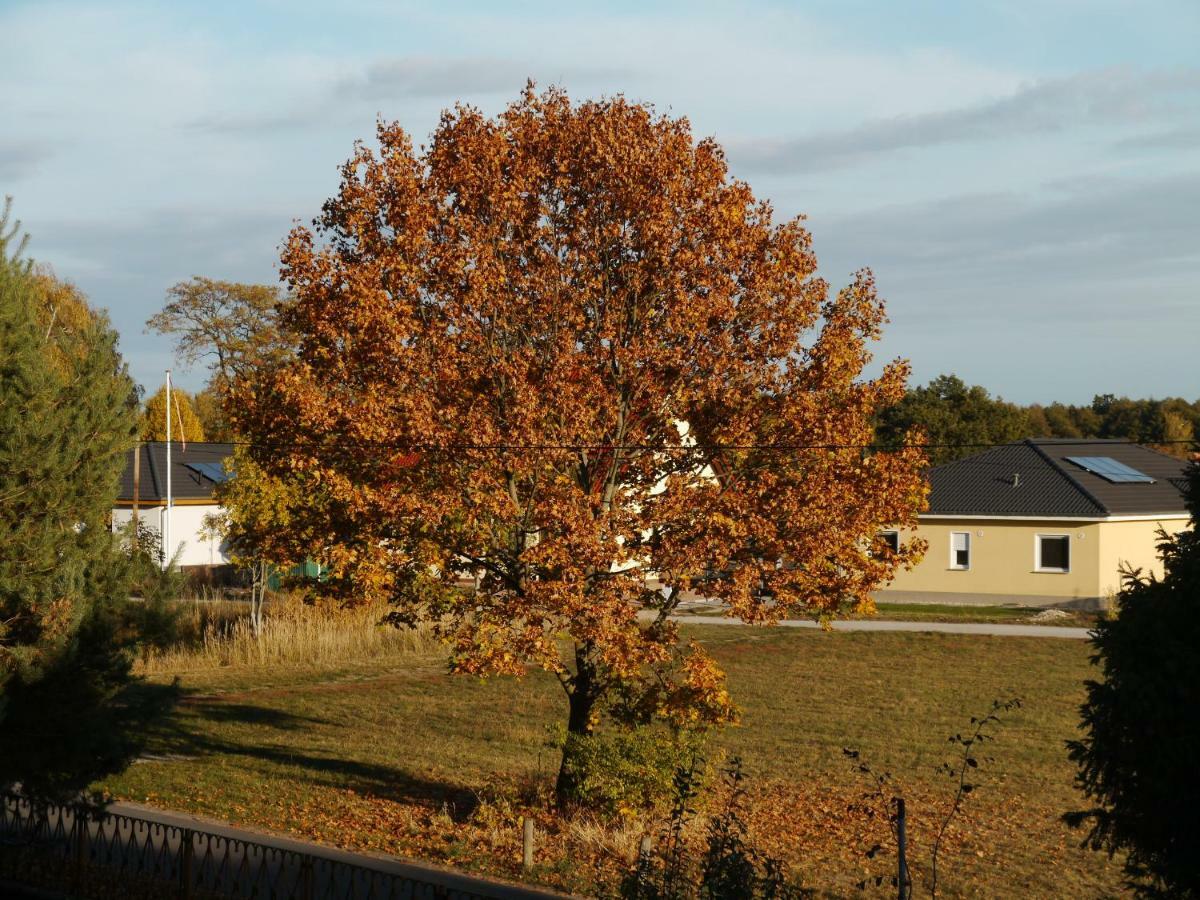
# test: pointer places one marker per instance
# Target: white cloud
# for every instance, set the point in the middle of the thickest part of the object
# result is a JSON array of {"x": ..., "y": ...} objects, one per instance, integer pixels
[
  {"x": 450, "y": 78},
  {"x": 1110, "y": 97},
  {"x": 182, "y": 145}
]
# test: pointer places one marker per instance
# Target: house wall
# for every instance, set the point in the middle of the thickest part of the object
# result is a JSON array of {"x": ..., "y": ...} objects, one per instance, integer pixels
[
  {"x": 1003, "y": 565},
  {"x": 197, "y": 547},
  {"x": 1135, "y": 543},
  {"x": 1003, "y": 562}
]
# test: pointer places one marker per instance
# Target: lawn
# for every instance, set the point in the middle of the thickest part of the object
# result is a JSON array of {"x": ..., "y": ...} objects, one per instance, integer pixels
[{"x": 395, "y": 755}]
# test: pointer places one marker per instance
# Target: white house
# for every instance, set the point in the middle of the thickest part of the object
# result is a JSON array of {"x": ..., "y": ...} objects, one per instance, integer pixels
[{"x": 196, "y": 470}]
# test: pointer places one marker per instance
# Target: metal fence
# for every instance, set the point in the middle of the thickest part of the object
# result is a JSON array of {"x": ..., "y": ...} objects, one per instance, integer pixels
[{"x": 66, "y": 851}]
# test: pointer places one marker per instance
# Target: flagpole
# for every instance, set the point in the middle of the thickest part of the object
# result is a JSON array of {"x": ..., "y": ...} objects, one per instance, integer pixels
[{"x": 166, "y": 560}]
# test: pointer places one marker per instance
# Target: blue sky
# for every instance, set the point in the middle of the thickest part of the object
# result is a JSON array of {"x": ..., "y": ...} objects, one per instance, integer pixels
[{"x": 1023, "y": 177}]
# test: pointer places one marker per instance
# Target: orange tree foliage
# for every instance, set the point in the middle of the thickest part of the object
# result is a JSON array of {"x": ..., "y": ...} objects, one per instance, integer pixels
[{"x": 574, "y": 317}]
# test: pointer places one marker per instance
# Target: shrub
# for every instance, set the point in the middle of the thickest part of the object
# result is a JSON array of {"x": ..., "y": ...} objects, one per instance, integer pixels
[
  {"x": 151, "y": 617},
  {"x": 629, "y": 770}
]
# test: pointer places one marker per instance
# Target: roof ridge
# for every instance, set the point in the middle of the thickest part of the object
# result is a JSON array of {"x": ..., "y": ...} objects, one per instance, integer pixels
[
  {"x": 979, "y": 455},
  {"x": 1080, "y": 440},
  {"x": 1150, "y": 449},
  {"x": 195, "y": 443},
  {"x": 1071, "y": 479}
]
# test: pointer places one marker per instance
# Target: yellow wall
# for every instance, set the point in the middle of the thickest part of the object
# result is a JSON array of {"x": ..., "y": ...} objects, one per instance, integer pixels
[
  {"x": 1003, "y": 562},
  {"x": 1135, "y": 543}
]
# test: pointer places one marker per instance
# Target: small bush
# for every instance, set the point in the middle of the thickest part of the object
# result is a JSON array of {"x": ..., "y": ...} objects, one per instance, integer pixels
[
  {"x": 631, "y": 770},
  {"x": 150, "y": 617}
]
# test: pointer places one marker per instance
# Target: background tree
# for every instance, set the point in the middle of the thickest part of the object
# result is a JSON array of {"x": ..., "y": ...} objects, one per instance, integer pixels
[
  {"x": 232, "y": 327},
  {"x": 1059, "y": 420},
  {"x": 210, "y": 411},
  {"x": 573, "y": 316},
  {"x": 950, "y": 412},
  {"x": 63, "y": 313},
  {"x": 236, "y": 329},
  {"x": 261, "y": 526},
  {"x": 185, "y": 424},
  {"x": 1141, "y": 721},
  {"x": 1174, "y": 428},
  {"x": 67, "y": 417}
]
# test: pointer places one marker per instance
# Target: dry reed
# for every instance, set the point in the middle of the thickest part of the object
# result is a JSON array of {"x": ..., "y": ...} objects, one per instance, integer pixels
[{"x": 219, "y": 635}]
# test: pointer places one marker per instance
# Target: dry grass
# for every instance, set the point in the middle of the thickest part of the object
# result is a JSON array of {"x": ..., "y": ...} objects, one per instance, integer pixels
[
  {"x": 218, "y": 635},
  {"x": 395, "y": 755},
  {"x": 596, "y": 838}
]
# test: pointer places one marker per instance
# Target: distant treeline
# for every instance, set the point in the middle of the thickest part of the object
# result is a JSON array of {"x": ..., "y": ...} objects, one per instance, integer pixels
[
  {"x": 965, "y": 416},
  {"x": 948, "y": 410}
]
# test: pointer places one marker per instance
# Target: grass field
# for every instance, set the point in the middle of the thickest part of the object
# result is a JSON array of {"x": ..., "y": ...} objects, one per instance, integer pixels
[{"x": 395, "y": 755}]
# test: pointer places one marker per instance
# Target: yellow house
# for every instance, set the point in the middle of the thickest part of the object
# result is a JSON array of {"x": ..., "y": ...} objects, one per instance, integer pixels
[{"x": 1042, "y": 523}]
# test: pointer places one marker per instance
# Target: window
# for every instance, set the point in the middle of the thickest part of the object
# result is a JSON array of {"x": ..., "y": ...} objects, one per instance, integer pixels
[
  {"x": 891, "y": 539},
  {"x": 960, "y": 550},
  {"x": 1053, "y": 553}
]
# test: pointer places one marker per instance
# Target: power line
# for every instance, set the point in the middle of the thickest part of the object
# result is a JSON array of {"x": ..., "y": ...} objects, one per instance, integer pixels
[{"x": 422, "y": 447}]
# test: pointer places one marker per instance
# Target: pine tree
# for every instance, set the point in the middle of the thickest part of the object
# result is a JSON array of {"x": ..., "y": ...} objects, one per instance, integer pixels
[
  {"x": 1141, "y": 721},
  {"x": 67, "y": 417}
]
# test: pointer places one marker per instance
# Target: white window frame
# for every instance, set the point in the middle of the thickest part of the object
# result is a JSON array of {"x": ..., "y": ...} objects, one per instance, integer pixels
[
  {"x": 954, "y": 566},
  {"x": 1037, "y": 553}
]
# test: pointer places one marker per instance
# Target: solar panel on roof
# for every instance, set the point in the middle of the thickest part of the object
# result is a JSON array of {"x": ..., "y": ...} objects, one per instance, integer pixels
[
  {"x": 213, "y": 471},
  {"x": 1110, "y": 470}
]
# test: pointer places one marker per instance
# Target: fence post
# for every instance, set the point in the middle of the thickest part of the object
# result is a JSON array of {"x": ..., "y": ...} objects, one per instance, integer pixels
[
  {"x": 527, "y": 844},
  {"x": 902, "y": 850},
  {"x": 80, "y": 828},
  {"x": 645, "y": 848},
  {"x": 306, "y": 879},
  {"x": 187, "y": 851}
]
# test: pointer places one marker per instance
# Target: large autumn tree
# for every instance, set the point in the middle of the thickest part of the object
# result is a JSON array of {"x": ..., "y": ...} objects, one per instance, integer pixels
[{"x": 623, "y": 383}]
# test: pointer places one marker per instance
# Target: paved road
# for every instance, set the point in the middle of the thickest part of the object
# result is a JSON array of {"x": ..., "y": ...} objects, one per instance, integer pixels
[{"x": 995, "y": 629}]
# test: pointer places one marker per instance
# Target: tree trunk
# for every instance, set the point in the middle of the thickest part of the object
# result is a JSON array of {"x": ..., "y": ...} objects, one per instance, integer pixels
[
  {"x": 584, "y": 696},
  {"x": 258, "y": 589}
]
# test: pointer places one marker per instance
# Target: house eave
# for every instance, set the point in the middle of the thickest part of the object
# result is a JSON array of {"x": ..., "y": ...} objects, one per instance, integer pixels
[
  {"x": 152, "y": 502},
  {"x": 1051, "y": 517}
]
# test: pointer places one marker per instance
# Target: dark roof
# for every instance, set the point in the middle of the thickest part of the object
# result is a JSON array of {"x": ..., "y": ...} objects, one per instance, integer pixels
[
  {"x": 1048, "y": 485},
  {"x": 186, "y": 484}
]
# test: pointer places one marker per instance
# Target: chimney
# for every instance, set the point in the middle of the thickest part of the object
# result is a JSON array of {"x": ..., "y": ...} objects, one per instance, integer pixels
[{"x": 1016, "y": 479}]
